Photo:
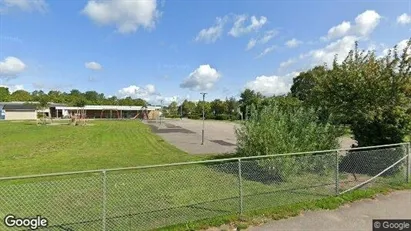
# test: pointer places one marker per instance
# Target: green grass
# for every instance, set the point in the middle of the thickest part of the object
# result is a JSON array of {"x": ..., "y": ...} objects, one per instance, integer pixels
[
  {"x": 258, "y": 217},
  {"x": 26, "y": 148},
  {"x": 142, "y": 199}
]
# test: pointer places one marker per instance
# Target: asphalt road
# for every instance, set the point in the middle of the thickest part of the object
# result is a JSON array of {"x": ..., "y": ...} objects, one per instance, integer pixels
[{"x": 352, "y": 217}]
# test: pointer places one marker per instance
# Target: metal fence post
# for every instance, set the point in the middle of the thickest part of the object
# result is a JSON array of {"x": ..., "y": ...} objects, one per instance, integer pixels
[
  {"x": 104, "y": 212},
  {"x": 408, "y": 167},
  {"x": 240, "y": 187},
  {"x": 337, "y": 180}
]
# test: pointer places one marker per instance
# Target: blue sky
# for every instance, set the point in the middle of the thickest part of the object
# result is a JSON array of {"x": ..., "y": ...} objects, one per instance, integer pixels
[{"x": 167, "y": 49}]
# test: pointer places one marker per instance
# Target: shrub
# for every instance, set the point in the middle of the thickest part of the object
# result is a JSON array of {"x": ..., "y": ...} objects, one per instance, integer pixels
[
  {"x": 194, "y": 116},
  {"x": 222, "y": 117},
  {"x": 279, "y": 128}
]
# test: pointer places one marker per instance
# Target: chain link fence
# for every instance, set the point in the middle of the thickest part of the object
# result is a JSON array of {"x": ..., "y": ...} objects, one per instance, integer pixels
[{"x": 150, "y": 197}]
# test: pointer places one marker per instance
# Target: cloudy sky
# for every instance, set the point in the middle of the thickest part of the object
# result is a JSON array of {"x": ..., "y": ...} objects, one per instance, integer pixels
[{"x": 170, "y": 49}]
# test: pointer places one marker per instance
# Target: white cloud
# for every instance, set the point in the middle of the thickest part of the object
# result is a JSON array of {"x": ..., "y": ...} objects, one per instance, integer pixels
[
  {"x": 166, "y": 100},
  {"x": 287, "y": 63},
  {"x": 239, "y": 29},
  {"x": 24, "y": 5},
  {"x": 203, "y": 78},
  {"x": 210, "y": 35},
  {"x": 293, "y": 43},
  {"x": 251, "y": 44},
  {"x": 341, "y": 48},
  {"x": 400, "y": 48},
  {"x": 404, "y": 19},
  {"x": 93, "y": 66},
  {"x": 268, "y": 35},
  {"x": 365, "y": 24},
  {"x": 339, "y": 30},
  {"x": 13, "y": 88},
  {"x": 134, "y": 92},
  {"x": 11, "y": 67},
  {"x": 126, "y": 15},
  {"x": 266, "y": 51},
  {"x": 272, "y": 85}
]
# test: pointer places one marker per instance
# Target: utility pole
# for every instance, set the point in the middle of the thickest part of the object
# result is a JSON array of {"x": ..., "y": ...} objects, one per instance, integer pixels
[
  {"x": 161, "y": 111},
  {"x": 202, "y": 132},
  {"x": 181, "y": 110}
]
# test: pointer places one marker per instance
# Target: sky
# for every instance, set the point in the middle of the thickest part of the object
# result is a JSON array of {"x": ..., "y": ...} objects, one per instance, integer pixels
[{"x": 175, "y": 49}]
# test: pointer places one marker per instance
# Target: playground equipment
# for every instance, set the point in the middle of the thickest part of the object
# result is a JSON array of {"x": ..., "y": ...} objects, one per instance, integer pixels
[{"x": 79, "y": 118}]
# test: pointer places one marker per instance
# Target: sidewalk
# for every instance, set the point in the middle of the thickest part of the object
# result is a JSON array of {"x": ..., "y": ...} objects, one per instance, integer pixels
[{"x": 351, "y": 217}]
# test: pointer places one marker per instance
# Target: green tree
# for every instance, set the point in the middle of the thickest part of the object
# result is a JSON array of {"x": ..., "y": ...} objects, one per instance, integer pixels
[
  {"x": 232, "y": 106},
  {"x": 280, "y": 128},
  {"x": 199, "y": 109},
  {"x": 249, "y": 97},
  {"x": 93, "y": 97},
  {"x": 56, "y": 97},
  {"x": 218, "y": 107},
  {"x": 4, "y": 94},
  {"x": 173, "y": 109},
  {"x": 21, "y": 95},
  {"x": 188, "y": 107}
]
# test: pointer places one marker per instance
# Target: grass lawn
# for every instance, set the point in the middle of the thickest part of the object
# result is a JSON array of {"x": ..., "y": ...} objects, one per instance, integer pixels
[
  {"x": 138, "y": 199},
  {"x": 26, "y": 148}
]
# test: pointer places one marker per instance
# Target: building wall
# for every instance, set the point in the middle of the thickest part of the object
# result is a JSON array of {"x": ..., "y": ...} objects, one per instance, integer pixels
[{"x": 20, "y": 115}]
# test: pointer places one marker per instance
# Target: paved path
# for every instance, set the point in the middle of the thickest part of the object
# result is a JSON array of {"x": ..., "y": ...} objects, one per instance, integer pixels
[
  {"x": 355, "y": 216},
  {"x": 186, "y": 135},
  {"x": 219, "y": 136}
]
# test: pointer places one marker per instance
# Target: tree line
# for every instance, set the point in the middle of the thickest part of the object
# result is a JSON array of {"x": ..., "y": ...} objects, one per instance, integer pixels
[{"x": 72, "y": 98}]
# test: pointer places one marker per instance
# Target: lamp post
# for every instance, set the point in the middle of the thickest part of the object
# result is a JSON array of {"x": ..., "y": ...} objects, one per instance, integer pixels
[
  {"x": 161, "y": 115},
  {"x": 202, "y": 132},
  {"x": 181, "y": 110}
]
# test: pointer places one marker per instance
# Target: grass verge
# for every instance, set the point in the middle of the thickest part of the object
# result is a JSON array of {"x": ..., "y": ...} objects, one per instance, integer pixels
[{"x": 261, "y": 216}]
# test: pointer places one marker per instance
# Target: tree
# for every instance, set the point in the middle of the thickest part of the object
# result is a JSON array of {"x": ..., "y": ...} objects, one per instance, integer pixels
[
  {"x": 92, "y": 97},
  {"x": 218, "y": 107},
  {"x": 373, "y": 96},
  {"x": 36, "y": 95},
  {"x": 173, "y": 109},
  {"x": 21, "y": 95},
  {"x": 305, "y": 82},
  {"x": 232, "y": 107},
  {"x": 284, "y": 128},
  {"x": 249, "y": 97},
  {"x": 188, "y": 107},
  {"x": 199, "y": 109},
  {"x": 4, "y": 94},
  {"x": 43, "y": 104}
]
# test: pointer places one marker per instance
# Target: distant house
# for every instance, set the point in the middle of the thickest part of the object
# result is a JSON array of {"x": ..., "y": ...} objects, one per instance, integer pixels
[{"x": 18, "y": 111}]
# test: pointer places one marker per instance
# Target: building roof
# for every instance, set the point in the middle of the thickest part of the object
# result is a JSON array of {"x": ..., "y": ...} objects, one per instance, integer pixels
[
  {"x": 31, "y": 102},
  {"x": 23, "y": 107},
  {"x": 110, "y": 107}
]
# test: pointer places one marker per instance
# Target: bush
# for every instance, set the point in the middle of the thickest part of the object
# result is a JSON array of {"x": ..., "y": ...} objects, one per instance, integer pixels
[
  {"x": 222, "y": 117},
  {"x": 279, "y": 128},
  {"x": 210, "y": 116},
  {"x": 194, "y": 116}
]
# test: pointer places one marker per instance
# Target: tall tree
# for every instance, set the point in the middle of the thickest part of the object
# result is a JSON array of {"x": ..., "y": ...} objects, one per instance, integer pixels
[
  {"x": 370, "y": 94},
  {"x": 188, "y": 107},
  {"x": 248, "y": 98},
  {"x": 218, "y": 107},
  {"x": 21, "y": 95},
  {"x": 4, "y": 94}
]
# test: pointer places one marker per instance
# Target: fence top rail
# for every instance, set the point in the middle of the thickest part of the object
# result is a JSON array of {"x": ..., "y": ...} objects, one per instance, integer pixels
[{"x": 200, "y": 162}]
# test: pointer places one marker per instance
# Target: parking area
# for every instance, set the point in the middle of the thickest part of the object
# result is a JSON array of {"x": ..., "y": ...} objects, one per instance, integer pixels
[{"x": 219, "y": 136}]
